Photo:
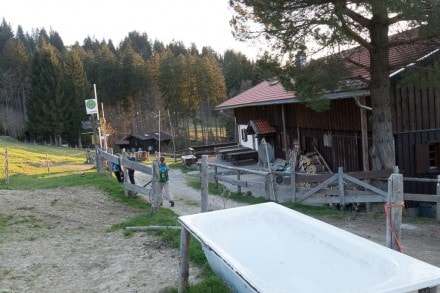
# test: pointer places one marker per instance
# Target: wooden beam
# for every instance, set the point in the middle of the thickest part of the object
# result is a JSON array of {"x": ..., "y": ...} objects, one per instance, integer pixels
[
  {"x": 320, "y": 186},
  {"x": 239, "y": 169},
  {"x": 394, "y": 211},
  {"x": 335, "y": 200},
  {"x": 364, "y": 135},
  {"x": 184, "y": 260},
  {"x": 149, "y": 228},
  {"x": 137, "y": 188},
  {"x": 204, "y": 185},
  {"x": 283, "y": 117},
  {"x": 241, "y": 183},
  {"x": 365, "y": 185},
  {"x": 422, "y": 197}
]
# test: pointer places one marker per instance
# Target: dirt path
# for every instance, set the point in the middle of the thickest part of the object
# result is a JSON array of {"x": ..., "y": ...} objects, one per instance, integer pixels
[{"x": 56, "y": 241}]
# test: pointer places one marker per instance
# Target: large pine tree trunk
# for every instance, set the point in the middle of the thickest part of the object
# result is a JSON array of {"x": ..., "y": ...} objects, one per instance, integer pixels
[{"x": 382, "y": 151}]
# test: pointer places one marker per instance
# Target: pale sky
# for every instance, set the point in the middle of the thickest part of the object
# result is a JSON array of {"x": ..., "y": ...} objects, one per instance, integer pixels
[{"x": 203, "y": 22}]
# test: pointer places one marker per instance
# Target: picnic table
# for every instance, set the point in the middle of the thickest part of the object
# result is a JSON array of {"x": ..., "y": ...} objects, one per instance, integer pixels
[
  {"x": 226, "y": 151},
  {"x": 241, "y": 156}
]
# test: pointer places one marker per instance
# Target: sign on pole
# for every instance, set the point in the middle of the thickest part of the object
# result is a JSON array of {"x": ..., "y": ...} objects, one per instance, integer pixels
[
  {"x": 91, "y": 106},
  {"x": 88, "y": 124}
]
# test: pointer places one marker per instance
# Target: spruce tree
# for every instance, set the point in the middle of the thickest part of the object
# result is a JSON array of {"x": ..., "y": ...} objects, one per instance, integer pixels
[
  {"x": 47, "y": 104},
  {"x": 77, "y": 89}
]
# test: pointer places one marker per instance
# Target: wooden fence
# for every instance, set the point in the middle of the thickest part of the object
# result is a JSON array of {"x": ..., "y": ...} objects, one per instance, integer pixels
[
  {"x": 125, "y": 163},
  {"x": 318, "y": 189},
  {"x": 153, "y": 192}
]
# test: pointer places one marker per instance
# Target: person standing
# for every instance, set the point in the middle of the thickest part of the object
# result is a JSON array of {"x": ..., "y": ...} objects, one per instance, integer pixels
[
  {"x": 131, "y": 171},
  {"x": 116, "y": 168},
  {"x": 164, "y": 184}
]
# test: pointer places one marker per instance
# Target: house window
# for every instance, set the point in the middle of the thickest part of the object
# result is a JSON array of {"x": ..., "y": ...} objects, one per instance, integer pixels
[
  {"x": 427, "y": 157},
  {"x": 434, "y": 156},
  {"x": 244, "y": 135}
]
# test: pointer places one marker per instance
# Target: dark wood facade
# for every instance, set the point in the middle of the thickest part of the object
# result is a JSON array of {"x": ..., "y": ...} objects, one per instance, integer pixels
[
  {"x": 148, "y": 141},
  {"x": 342, "y": 134},
  {"x": 305, "y": 126},
  {"x": 415, "y": 98},
  {"x": 416, "y": 122}
]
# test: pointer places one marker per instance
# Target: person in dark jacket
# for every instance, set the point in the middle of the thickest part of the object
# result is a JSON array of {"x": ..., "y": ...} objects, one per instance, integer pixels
[{"x": 131, "y": 157}]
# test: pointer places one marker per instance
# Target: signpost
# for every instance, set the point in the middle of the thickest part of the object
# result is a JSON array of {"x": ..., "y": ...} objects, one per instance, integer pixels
[
  {"x": 91, "y": 106},
  {"x": 92, "y": 109},
  {"x": 87, "y": 124}
]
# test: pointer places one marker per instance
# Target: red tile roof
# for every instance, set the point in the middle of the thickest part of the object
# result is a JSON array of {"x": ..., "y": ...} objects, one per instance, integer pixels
[
  {"x": 260, "y": 126},
  {"x": 399, "y": 56},
  {"x": 264, "y": 93},
  {"x": 267, "y": 93}
]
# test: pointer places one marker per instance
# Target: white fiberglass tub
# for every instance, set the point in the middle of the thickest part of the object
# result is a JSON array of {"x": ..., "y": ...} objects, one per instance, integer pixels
[{"x": 270, "y": 248}]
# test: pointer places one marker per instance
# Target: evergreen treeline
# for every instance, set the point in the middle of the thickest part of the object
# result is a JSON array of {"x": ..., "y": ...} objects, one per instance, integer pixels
[{"x": 44, "y": 84}]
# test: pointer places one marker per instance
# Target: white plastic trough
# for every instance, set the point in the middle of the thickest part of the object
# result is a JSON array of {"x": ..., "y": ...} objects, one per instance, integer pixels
[{"x": 270, "y": 248}]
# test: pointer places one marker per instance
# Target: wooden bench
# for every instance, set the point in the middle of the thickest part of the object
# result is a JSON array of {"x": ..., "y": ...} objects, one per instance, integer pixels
[
  {"x": 200, "y": 150},
  {"x": 225, "y": 152},
  {"x": 237, "y": 157}
]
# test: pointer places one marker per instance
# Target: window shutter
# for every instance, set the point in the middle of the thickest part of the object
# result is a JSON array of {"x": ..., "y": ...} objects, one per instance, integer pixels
[{"x": 422, "y": 158}]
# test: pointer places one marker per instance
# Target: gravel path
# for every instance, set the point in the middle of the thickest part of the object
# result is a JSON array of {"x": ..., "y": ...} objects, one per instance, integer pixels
[{"x": 187, "y": 199}]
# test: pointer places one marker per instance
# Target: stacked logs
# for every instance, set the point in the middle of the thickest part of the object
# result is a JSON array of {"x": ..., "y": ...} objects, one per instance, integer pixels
[{"x": 310, "y": 163}]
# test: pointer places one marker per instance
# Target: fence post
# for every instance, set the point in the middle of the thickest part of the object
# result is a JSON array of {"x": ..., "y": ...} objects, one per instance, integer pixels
[
  {"x": 110, "y": 169},
  {"x": 124, "y": 170},
  {"x": 47, "y": 163},
  {"x": 438, "y": 198},
  {"x": 87, "y": 156},
  {"x": 157, "y": 196},
  {"x": 184, "y": 260},
  {"x": 215, "y": 175},
  {"x": 204, "y": 184},
  {"x": 293, "y": 155},
  {"x": 6, "y": 166},
  {"x": 268, "y": 187},
  {"x": 98, "y": 161},
  {"x": 341, "y": 186},
  {"x": 238, "y": 179},
  {"x": 393, "y": 211}
]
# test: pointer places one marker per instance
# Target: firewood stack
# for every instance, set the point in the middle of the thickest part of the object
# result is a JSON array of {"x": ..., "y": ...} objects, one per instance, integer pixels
[{"x": 310, "y": 163}]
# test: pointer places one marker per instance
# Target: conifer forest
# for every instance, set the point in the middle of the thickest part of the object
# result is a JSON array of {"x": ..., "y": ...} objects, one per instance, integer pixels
[{"x": 44, "y": 84}]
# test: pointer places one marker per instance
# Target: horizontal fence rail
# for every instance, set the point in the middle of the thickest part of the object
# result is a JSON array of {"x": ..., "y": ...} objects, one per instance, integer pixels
[
  {"x": 127, "y": 164},
  {"x": 339, "y": 188}
]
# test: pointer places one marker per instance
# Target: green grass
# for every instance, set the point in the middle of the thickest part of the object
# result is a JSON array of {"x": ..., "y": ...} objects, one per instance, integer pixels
[{"x": 34, "y": 160}]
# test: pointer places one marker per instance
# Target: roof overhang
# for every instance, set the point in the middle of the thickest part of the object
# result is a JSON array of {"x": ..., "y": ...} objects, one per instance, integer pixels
[
  {"x": 411, "y": 65},
  {"x": 347, "y": 94},
  {"x": 332, "y": 96},
  {"x": 285, "y": 101}
]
